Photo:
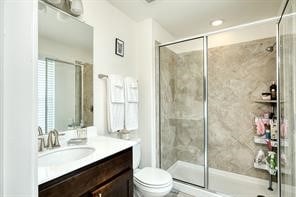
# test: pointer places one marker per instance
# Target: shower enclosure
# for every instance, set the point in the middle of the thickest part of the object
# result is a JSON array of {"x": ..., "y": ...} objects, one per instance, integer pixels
[
  {"x": 210, "y": 91},
  {"x": 287, "y": 76}
]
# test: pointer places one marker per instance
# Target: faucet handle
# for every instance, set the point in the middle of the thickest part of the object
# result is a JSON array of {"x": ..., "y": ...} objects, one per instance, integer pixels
[
  {"x": 56, "y": 138},
  {"x": 41, "y": 145},
  {"x": 40, "y": 132},
  {"x": 50, "y": 143}
]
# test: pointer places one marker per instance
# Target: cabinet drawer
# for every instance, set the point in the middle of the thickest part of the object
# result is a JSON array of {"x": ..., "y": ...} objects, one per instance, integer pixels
[
  {"x": 85, "y": 179},
  {"x": 121, "y": 186}
]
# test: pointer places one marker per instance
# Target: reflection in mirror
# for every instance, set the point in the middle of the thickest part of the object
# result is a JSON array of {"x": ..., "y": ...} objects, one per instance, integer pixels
[{"x": 65, "y": 71}]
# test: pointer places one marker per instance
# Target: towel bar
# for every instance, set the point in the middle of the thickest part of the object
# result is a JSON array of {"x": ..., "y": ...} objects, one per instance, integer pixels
[{"x": 102, "y": 76}]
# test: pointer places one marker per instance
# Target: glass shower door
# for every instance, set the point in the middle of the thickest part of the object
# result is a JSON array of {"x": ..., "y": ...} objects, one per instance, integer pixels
[
  {"x": 287, "y": 76},
  {"x": 181, "y": 111}
]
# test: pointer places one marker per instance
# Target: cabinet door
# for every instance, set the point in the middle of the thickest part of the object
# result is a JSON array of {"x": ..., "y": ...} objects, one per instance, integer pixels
[{"x": 121, "y": 186}]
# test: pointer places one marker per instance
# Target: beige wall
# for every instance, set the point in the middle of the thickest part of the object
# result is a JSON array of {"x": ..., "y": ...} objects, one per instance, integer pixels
[{"x": 237, "y": 75}]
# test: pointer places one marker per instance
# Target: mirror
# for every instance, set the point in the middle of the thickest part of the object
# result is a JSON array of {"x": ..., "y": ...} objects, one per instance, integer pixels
[{"x": 65, "y": 71}]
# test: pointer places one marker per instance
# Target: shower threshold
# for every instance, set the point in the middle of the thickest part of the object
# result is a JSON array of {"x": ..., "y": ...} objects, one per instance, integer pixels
[{"x": 225, "y": 184}]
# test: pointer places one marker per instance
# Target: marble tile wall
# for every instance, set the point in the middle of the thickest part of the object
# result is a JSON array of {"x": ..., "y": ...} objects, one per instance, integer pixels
[
  {"x": 189, "y": 108},
  {"x": 88, "y": 95},
  {"x": 237, "y": 75},
  {"x": 168, "y": 65}
]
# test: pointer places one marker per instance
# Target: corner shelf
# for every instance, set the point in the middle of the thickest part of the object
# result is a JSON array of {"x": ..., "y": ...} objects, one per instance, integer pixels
[
  {"x": 262, "y": 140},
  {"x": 265, "y": 101},
  {"x": 260, "y": 166},
  {"x": 265, "y": 167}
]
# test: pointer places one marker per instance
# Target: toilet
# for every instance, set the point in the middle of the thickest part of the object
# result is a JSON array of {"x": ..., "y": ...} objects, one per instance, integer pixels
[{"x": 149, "y": 181}]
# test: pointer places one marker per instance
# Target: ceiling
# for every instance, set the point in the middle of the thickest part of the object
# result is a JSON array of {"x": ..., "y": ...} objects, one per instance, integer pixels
[{"x": 183, "y": 18}]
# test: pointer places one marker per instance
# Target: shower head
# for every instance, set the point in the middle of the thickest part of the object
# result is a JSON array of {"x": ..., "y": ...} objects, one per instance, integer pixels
[{"x": 270, "y": 48}]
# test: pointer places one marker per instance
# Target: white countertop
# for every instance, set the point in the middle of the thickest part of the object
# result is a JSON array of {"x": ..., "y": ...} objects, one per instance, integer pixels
[{"x": 104, "y": 147}]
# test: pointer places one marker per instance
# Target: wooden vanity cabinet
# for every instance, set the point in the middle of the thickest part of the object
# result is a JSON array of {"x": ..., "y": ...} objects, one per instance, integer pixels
[{"x": 110, "y": 177}]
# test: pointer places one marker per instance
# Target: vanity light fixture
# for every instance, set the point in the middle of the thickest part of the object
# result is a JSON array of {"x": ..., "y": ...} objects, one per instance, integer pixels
[
  {"x": 76, "y": 7},
  {"x": 217, "y": 22}
]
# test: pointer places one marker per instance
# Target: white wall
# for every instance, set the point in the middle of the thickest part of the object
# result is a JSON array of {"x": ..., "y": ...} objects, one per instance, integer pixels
[
  {"x": 52, "y": 49},
  {"x": 144, "y": 62},
  {"x": 1, "y": 93},
  {"x": 65, "y": 95},
  {"x": 160, "y": 35},
  {"x": 19, "y": 99},
  {"x": 139, "y": 62},
  {"x": 109, "y": 23},
  {"x": 148, "y": 31}
]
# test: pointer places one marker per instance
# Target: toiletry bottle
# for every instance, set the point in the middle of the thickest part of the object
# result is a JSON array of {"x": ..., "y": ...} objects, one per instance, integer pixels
[
  {"x": 273, "y": 91},
  {"x": 272, "y": 163},
  {"x": 273, "y": 130},
  {"x": 260, "y": 156},
  {"x": 267, "y": 132}
]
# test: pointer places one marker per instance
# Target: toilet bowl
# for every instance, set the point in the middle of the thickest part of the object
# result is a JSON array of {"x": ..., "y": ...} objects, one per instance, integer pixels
[
  {"x": 152, "y": 182},
  {"x": 149, "y": 181}
]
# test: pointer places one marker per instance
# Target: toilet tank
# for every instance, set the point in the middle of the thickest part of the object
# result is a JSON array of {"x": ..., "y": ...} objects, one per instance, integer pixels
[{"x": 136, "y": 153}]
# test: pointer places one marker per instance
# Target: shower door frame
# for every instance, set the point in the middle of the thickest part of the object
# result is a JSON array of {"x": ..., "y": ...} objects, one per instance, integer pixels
[
  {"x": 278, "y": 105},
  {"x": 205, "y": 110},
  {"x": 279, "y": 68},
  {"x": 205, "y": 104}
]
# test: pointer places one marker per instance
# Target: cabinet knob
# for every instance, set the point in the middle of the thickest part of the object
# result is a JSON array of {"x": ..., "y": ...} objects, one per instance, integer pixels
[{"x": 99, "y": 195}]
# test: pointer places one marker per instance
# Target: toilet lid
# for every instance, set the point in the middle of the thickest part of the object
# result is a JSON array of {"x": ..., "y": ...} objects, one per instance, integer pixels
[{"x": 153, "y": 177}]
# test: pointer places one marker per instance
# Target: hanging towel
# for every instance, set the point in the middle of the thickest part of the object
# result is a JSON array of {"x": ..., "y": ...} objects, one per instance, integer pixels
[
  {"x": 115, "y": 103},
  {"x": 131, "y": 103}
]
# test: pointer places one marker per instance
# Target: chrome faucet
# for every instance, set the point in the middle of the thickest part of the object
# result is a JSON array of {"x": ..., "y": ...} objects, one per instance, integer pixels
[
  {"x": 42, "y": 141},
  {"x": 53, "y": 139}
]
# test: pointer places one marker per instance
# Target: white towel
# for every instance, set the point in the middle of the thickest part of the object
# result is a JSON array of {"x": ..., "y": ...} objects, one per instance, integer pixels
[
  {"x": 131, "y": 103},
  {"x": 115, "y": 103}
]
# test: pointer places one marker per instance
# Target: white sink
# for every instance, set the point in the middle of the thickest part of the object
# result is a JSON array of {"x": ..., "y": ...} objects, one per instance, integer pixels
[{"x": 63, "y": 155}]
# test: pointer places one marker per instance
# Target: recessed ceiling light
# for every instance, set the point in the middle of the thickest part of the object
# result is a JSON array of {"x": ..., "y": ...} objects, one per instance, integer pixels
[{"x": 217, "y": 22}]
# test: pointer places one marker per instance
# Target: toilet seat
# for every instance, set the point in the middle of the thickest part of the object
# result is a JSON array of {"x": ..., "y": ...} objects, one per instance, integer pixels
[
  {"x": 141, "y": 184},
  {"x": 153, "y": 178}
]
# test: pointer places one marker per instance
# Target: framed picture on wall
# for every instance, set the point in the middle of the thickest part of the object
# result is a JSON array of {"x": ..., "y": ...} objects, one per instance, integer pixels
[{"x": 119, "y": 47}]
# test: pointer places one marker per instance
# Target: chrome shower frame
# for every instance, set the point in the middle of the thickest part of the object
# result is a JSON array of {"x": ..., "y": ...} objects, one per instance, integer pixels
[{"x": 278, "y": 74}]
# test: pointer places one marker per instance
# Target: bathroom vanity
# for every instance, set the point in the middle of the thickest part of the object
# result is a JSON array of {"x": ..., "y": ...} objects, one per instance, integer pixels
[
  {"x": 106, "y": 171},
  {"x": 112, "y": 176}
]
